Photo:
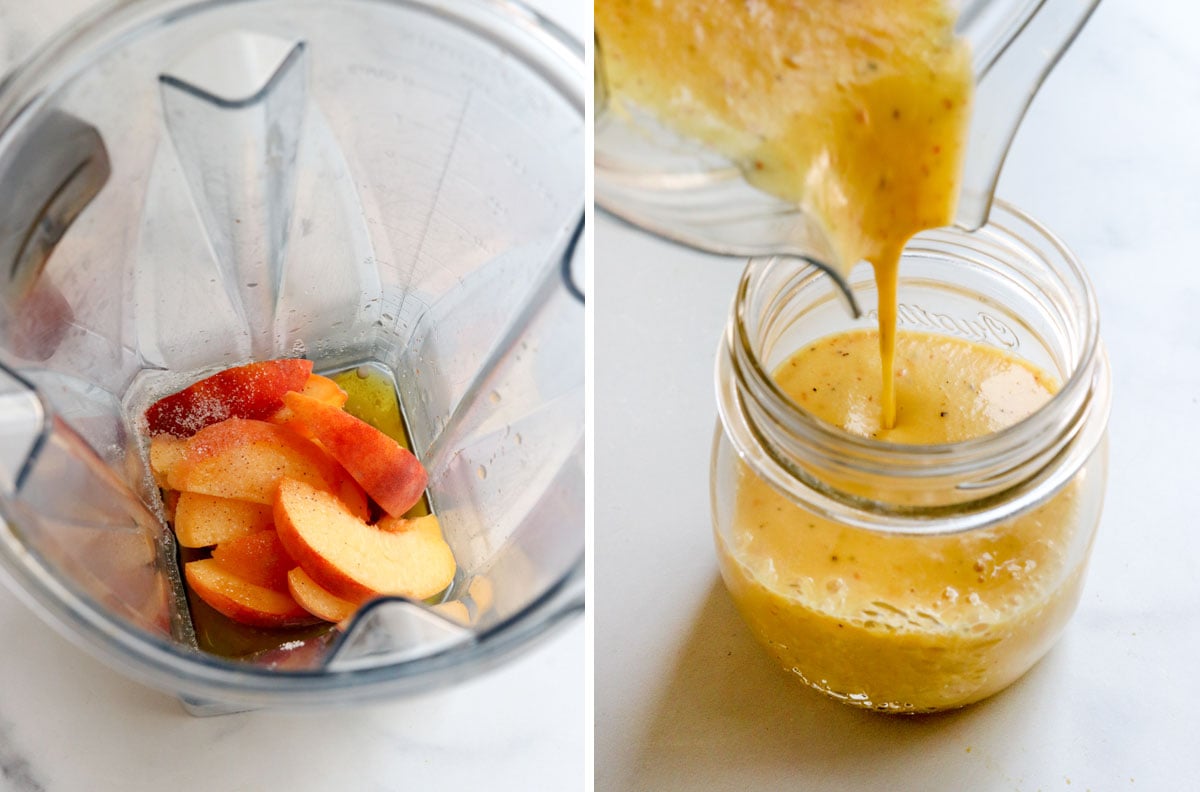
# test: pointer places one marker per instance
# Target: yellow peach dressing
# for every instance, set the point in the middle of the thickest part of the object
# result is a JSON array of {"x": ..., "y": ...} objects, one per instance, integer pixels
[
  {"x": 371, "y": 396},
  {"x": 912, "y": 623},
  {"x": 856, "y": 110}
]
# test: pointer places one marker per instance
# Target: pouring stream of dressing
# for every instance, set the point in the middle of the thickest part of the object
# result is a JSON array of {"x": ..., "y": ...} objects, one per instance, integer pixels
[{"x": 855, "y": 110}]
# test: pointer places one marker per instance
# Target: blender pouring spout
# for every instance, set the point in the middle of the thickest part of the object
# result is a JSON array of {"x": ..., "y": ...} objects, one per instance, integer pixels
[{"x": 679, "y": 188}]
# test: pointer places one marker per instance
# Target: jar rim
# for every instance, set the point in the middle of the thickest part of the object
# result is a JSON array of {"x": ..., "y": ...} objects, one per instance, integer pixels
[{"x": 1022, "y": 463}]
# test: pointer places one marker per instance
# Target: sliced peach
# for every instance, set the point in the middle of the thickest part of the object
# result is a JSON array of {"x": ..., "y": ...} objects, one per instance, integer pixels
[
  {"x": 454, "y": 611},
  {"x": 482, "y": 594},
  {"x": 203, "y": 520},
  {"x": 170, "y": 500},
  {"x": 355, "y": 561},
  {"x": 166, "y": 452},
  {"x": 353, "y": 497},
  {"x": 257, "y": 558},
  {"x": 324, "y": 390},
  {"x": 386, "y": 470},
  {"x": 241, "y": 600},
  {"x": 251, "y": 391},
  {"x": 244, "y": 460},
  {"x": 316, "y": 387},
  {"x": 428, "y": 523},
  {"x": 316, "y": 600}
]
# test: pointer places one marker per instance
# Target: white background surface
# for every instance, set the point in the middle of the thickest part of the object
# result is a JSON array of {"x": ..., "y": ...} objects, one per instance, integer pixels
[
  {"x": 68, "y": 723},
  {"x": 1109, "y": 159}
]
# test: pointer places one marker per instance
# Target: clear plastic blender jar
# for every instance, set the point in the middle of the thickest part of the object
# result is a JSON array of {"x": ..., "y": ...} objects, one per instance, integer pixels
[
  {"x": 185, "y": 186},
  {"x": 680, "y": 189}
]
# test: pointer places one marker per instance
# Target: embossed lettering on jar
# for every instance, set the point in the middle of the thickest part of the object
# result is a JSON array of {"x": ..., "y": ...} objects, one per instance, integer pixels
[{"x": 914, "y": 577}]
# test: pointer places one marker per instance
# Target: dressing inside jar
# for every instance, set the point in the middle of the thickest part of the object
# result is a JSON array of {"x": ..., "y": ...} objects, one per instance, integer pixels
[{"x": 928, "y": 566}]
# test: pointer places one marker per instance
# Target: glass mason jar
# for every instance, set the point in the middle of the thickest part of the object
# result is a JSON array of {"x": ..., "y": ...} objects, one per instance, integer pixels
[{"x": 960, "y": 563}]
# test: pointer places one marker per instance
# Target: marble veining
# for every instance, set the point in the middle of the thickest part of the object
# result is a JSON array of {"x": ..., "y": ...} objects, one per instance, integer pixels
[{"x": 15, "y": 767}]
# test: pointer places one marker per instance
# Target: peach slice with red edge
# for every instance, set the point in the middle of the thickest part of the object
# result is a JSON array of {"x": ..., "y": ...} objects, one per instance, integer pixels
[
  {"x": 254, "y": 391},
  {"x": 257, "y": 558},
  {"x": 203, "y": 520},
  {"x": 388, "y": 471},
  {"x": 316, "y": 600},
  {"x": 241, "y": 600},
  {"x": 244, "y": 460},
  {"x": 355, "y": 561},
  {"x": 316, "y": 387}
]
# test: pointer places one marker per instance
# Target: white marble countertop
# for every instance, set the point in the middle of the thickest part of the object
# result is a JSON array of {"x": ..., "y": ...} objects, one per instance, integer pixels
[
  {"x": 69, "y": 723},
  {"x": 685, "y": 700}
]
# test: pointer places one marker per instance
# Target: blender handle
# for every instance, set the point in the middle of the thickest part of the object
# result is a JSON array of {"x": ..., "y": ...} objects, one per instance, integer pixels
[
  {"x": 1009, "y": 68},
  {"x": 58, "y": 165},
  {"x": 23, "y": 427}
]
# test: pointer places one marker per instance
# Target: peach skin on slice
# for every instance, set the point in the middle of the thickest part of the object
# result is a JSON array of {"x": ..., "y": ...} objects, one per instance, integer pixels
[
  {"x": 257, "y": 558},
  {"x": 251, "y": 391},
  {"x": 316, "y": 600},
  {"x": 386, "y": 470},
  {"x": 244, "y": 460},
  {"x": 203, "y": 520},
  {"x": 355, "y": 561},
  {"x": 241, "y": 600}
]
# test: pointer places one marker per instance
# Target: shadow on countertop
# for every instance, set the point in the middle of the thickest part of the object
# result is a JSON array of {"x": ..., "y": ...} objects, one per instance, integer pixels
[{"x": 730, "y": 719}]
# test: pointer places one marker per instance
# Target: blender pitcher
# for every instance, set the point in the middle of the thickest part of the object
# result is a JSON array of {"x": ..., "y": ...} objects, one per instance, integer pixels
[
  {"x": 187, "y": 186},
  {"x": 680, "y": 189}
]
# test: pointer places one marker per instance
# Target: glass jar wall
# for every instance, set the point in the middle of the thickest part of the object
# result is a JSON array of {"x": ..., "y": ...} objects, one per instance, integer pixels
[{"x": 913, "y": 578}]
